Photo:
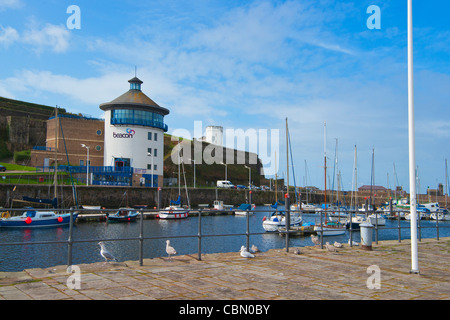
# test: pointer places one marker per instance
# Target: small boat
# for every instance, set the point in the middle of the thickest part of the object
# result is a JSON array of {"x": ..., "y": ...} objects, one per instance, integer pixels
[
  {"x": 377, "y": 219},
  {"x": 244, "y": 209},
  {"x": 123, "y": 215},
  {"x": 277, "y": 220},
  {"x": 218, "y": 205},
  {"x": 330, "y": 229},
  {"x": 307, "y": 207},
  {"x": 174, "y": 211},
  {"x": 33, "y": 218},
  {"x": 357, "y": 220},
  {"x": 91, "y": 207}
]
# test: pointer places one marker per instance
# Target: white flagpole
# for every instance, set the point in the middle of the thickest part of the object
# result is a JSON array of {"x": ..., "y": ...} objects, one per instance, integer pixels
[{"x": 412, "y": 160}]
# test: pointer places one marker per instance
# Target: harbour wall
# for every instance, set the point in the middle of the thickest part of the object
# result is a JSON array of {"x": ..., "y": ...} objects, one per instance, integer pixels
[{"x": 114, "y": 196}]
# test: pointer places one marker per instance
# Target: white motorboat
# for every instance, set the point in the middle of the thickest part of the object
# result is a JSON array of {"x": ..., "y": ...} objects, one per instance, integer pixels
[
  {"x": 377, "y": 219},
  {"x": 278, "y": 220},
  {"x": 173, "y": 212},
  {"x": 307, "y": 207}
]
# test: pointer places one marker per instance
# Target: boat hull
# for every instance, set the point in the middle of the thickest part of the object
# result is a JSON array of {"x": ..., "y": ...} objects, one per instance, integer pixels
[
  {"x": 272, "y": 225},
  {"x": 330, "y": 230},
  {"x": 21, "y": 222},
  {"x": 173, "y": 213}
]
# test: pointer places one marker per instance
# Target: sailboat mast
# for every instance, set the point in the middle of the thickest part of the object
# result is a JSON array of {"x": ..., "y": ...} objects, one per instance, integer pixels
[
  {"x": 55, "y": 195},
  {"x": 287, "y": 158},
  {"x": 325, "y": 162}
]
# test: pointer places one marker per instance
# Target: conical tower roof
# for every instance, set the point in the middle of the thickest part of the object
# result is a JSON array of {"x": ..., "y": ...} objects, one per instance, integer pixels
[{"x": 134, "y": 99}]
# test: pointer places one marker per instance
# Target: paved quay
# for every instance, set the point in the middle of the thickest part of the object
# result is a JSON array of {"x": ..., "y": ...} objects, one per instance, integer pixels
[{"x": 315, "y": 274}]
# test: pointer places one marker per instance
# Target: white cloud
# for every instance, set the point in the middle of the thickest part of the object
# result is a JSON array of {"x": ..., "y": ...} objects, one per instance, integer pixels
[
  {"x": 10, "y": 4},
  {"x": 8, "y": 35},
  {"x": 55, "y": 37}
]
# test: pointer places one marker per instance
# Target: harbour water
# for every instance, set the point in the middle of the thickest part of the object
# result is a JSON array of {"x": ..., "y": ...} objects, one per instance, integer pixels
[{"x": 20, "y": 257}]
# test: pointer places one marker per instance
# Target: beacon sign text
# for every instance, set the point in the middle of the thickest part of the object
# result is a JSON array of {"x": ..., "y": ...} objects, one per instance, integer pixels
[{"x": 129, "y": 135}]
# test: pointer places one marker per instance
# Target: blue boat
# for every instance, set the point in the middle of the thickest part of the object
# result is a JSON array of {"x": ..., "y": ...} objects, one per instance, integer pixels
[
  {"x": 123, "y": 215},
  {"x": 32, "y": 218}
]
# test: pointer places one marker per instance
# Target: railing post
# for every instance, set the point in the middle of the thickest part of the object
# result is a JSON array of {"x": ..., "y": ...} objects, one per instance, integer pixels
[
  {"x": 399, "y": 227},
  {"x": 418, "y": 225},
  {"x": 199, "y": 234},
  {"x": 70, "y": 240},
  {"x": 248, "y": 230},
  {"x": 141, "y": 238},
  {"x": 321, "y": 228},
  {"x": 437, "y": 224},
  {"x": 350, "y": 227},
  {"x": 287, "y": 218}
]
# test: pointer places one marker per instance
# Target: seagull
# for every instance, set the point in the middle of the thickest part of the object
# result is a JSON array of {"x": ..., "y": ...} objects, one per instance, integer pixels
[
  {"x": 245, "y": 253},
  {"x": 170, "y": 250},
  {"x": 338, "y": 244},
  {"x": 105, "y": 253},
  {"x": 315, "y": 239},
  {"x": 254, "y": 249},
  {"x": 330, "y": 247},
  {"x": 297, "y": 251},
  {"x": 354, "y": 243}
]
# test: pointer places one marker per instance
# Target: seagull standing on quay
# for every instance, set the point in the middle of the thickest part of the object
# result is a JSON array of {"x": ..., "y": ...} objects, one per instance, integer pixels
[
  {"x": 170, "y": 250},
  {"x": 105, "y": 253},
  {"x": 330, "y": 247},
  {"x": 245, "y": 253},
  {"x": 315, "y": 240}
]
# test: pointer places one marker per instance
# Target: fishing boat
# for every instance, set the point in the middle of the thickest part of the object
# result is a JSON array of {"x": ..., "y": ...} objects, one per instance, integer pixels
[
  {"x": 244, "y": 209},
  {"x": 123, "y": 215},
  {"x": 278, "y": 220},
  {"x": 34, "y": 218}
]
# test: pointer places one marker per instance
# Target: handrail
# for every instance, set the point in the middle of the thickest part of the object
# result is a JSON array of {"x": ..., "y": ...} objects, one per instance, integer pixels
[{"x": 70, "y": 241}]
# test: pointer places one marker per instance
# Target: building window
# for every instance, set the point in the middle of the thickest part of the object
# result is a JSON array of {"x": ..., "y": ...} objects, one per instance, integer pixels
[
  {"x": 81, "y": 162},
  {"x": 99, "y": 132},
  {"x": 149, "y": 136},
  {"x": 156, "y": 136},
  {"x": 155, "y": 167},
  {"x": 98, "y": 148},
  {"x": 155, "y": 152},
  {"x": 149, "y": 150},
  {"x": 149, "y": 167},
  {"x": 138, "y": 117}
]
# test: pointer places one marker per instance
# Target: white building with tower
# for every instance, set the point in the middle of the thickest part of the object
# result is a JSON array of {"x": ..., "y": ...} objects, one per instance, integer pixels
[
  {"x": 214, "y": 135},
  {"x": 134, "y": 134}
]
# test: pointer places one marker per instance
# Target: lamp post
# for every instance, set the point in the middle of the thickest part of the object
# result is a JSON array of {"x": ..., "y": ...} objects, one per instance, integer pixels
[
  {"x": 150, "y": 155},
  {"x": 249, "y": 176},
  {"x": 224, "y": 164},
  {"x": 193, "y": 162},
  {"x": 87, "y": 163}
]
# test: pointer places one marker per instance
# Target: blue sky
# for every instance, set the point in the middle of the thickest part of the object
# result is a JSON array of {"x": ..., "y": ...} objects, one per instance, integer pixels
[{"x": 250, "y": 64}]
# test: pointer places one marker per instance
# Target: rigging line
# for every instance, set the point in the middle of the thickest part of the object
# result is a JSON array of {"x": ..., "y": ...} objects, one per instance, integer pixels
[{"x": 292, "y": 164}]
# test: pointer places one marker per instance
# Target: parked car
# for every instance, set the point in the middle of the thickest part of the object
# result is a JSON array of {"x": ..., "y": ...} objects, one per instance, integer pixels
[
  {"x": 240, "y": 186},
  {"x": 2, "y": 168}
]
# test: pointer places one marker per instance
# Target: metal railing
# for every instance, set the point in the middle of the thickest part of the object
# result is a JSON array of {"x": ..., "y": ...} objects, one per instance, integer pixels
[{"x": 200, "y": 235}]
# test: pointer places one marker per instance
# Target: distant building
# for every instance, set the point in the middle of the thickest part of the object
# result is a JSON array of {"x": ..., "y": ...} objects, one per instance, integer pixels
[
  {"x": 127, "y": 148},
  {"x": 214, "y": 135},
  {"x": 372, "y": 188}
]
